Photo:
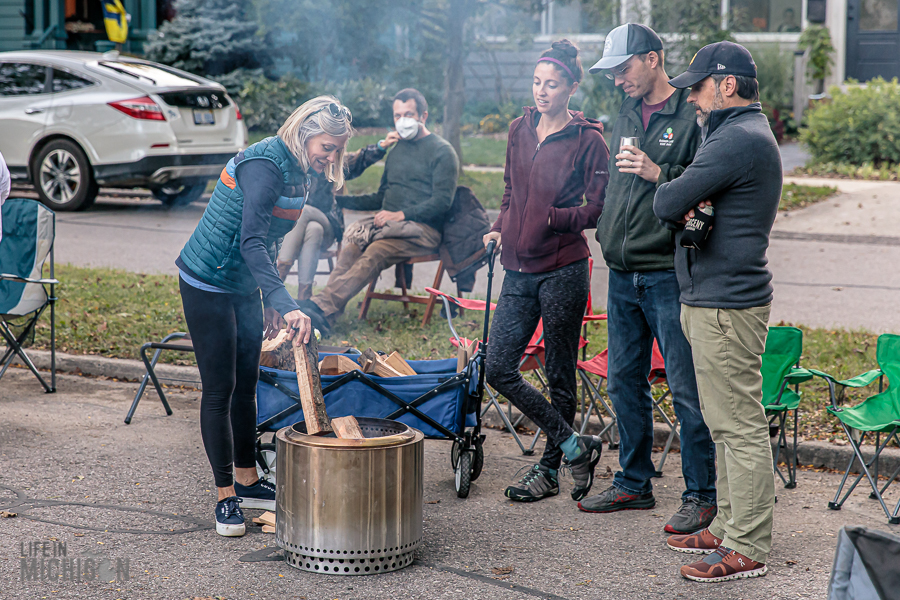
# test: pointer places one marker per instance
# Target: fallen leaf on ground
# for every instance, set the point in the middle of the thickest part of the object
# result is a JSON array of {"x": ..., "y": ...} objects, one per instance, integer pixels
[
  {"x": 5, "y": 514},
  {"x": 502, "y": 570},
  {"x": 790, "y": 562},
  {"x": 433, "y": 502}
]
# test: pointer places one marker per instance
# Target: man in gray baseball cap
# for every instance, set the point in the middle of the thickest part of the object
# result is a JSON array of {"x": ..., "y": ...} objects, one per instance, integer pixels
[
  {"x": 643, "y": 290},
  {"x": 726, "y": 298}
]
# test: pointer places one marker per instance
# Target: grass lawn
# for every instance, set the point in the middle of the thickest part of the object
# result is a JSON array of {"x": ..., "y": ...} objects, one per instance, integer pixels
[
  {"x": 488, "y": 187},
  {"x": 111, "y": 313},
  {"x": 477, "y": 150},
  {"x": 794, "y": 196}
]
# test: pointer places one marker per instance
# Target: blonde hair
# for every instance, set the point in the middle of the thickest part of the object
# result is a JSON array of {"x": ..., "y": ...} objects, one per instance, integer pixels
[{"x": 309, "y": 121}]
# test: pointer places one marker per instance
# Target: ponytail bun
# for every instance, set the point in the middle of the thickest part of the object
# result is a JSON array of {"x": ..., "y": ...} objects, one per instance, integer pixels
[{"x": 567, "y": 53}]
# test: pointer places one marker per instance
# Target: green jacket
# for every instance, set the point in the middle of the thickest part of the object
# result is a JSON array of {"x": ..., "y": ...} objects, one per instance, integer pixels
[{"x": 629, "y": 233}]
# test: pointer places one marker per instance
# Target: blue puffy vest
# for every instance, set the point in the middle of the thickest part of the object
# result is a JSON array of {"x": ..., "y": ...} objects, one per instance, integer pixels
[{"x": 213, "y": 252}]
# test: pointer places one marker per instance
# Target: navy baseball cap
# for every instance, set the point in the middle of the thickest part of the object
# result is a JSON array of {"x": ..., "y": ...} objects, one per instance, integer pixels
[
  {"x": 721, "y": 58},
  {"x": 625, "y": 41}
]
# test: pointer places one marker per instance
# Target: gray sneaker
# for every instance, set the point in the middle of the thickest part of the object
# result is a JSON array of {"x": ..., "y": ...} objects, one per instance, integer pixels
[
  {"x": 537, "y": 483},
  {"x": 583, "y": 465},
  {"x": 694, "y": 515}
]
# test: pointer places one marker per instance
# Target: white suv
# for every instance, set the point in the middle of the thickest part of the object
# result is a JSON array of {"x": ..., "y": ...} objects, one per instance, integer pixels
[{"x": 73, "y": 121}]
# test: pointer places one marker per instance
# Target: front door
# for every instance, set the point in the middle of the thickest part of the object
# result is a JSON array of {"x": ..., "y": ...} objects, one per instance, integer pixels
[{"x": 873, "y": 39}]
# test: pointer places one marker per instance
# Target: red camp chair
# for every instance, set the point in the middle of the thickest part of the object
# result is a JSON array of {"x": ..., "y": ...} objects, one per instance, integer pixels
[
  {"x": 532, "y": 361},
  {"x": 598, "y": 366}
]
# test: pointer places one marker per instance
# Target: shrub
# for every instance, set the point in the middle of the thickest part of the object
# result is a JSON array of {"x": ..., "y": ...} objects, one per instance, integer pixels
[
  {"x": 857, "y": 126},
  {"x": 265, "y": 104},
  {"x": 367, "y": 99}
]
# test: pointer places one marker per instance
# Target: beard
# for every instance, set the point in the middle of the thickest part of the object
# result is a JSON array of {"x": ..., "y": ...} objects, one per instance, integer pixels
[{"x": 703, "y": 117}]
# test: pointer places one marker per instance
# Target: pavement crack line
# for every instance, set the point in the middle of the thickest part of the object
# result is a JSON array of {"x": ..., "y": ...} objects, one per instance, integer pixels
[
  {"x": 23, "y": 505},
  {"x": 127, "y": 227}
]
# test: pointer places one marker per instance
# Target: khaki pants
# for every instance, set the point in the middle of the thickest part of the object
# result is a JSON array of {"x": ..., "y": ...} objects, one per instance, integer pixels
[
  {"x": 727, "y": 345},
  {"x": 355, "y": 268}
]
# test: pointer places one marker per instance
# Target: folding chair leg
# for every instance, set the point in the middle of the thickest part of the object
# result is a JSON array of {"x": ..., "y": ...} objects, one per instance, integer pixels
[
  {"x": 506, "y": 422},
  {"x": 151, "y": 373},
  {"x": 364, "y": 309},
  {"x": 17, "y": 350},
  {"x": 593, "y": 392},
  {"x": 429, "y": 308},
  {"x": 673, "y": 431},
  {"x": 892, "y": 518}
]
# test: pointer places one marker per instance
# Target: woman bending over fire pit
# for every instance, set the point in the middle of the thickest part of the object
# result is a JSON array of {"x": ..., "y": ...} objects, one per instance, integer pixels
[
  {"x": 555, "y": 159},
  {"x": 229, "y": 258}
]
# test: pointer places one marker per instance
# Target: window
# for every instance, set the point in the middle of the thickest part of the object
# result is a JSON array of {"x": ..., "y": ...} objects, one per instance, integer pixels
[
  {"x": 774, "y": 16},
  {"x": 63, "y": 81},
  {"x": 19, "y": 79},
  {"x": 878, "y": 15}
]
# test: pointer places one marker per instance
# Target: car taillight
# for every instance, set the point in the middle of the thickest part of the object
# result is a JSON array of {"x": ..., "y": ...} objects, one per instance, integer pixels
[
  {"x": 140, "y": 108},
  {"x": 238, "y": 111}
]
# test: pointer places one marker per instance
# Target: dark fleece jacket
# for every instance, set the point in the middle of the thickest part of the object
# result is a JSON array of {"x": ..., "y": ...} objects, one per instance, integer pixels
[
  {"x": 543, "y": 212},
  {"x": 737, "y": 168}
]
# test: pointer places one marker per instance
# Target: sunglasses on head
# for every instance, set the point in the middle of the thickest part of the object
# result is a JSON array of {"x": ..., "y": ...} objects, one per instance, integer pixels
[{"x": 336, "y": 111}]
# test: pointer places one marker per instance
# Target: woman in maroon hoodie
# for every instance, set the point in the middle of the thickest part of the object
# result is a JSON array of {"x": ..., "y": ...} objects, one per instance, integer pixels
[{"x": 555, "y": 161}]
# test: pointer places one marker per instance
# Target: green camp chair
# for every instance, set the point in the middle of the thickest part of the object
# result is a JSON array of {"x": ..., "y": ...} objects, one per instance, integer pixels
[
  {"x": 780, "y": 370},
  {"x": 29, "y": 230},
  {"x": 878, "y": 414}
]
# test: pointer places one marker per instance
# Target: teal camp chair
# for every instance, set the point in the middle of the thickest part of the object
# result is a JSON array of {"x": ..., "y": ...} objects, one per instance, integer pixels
[
  {"x": 878, "y": 415},
  {"x": 780, "y": 370},
  {"x": 29, "y": 229}
]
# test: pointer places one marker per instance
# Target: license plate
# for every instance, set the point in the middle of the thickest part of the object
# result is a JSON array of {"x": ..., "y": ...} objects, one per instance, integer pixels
[{"x": 204, "y": 117}]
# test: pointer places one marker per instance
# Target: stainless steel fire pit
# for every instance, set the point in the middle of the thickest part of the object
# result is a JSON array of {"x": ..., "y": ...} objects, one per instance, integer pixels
[{"x": 350, "y": 507}]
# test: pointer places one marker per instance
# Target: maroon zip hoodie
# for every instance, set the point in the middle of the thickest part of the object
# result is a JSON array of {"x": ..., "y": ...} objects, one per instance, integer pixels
[{"x": 543, "y": 211}]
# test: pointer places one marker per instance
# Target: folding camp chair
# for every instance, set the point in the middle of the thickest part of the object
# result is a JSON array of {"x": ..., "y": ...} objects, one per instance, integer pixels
[
  {"x": 780, "y": 370},
  {"x": 598, "y": 366},
  {"x": 179, "y": 342},
  {"x": 878, "y": 414},
  {"x": 29, "y": 231}
]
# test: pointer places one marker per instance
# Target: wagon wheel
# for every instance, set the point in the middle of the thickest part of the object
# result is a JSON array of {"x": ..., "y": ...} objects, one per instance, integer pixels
[
  {"x": 464, "y": 474},
  {"x": 478, "y": 461},
  {"x": 454, "y": 455}
]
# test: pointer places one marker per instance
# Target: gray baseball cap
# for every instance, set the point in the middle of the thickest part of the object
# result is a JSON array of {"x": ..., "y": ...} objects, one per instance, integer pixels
[{"x": 625, "y": 41}]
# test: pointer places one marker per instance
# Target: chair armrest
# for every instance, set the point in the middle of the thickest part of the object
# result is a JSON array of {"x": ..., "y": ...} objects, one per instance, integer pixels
[
  {"x": 798, "y": 375},
  {"x": 10, "y": 277},
  {"x": 855, "y": 382}
]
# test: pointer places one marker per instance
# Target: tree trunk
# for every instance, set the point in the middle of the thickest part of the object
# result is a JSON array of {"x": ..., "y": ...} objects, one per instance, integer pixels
[{"x": 454, "y": 90}]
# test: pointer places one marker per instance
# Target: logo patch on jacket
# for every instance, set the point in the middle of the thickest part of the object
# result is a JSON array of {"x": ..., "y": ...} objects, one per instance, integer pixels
[{"x": 668, "y": 138}]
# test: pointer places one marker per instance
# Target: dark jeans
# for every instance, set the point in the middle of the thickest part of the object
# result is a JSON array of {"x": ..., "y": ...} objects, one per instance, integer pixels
[
  {"x": 643, "y": 306},
  {"x": 227, "y": 332},
  {"x": 560, "y": 298}
]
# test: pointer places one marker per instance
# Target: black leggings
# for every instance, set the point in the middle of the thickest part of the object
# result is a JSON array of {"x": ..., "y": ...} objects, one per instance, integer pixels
[
  {"x": 560, "y": 298},
  {"x": 227, "y": 333}
]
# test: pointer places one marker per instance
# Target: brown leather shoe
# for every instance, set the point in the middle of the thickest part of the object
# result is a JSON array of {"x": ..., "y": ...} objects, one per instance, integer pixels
[
  {"x": 702, "y": 542},
  {"x": 723, "y": 565}
]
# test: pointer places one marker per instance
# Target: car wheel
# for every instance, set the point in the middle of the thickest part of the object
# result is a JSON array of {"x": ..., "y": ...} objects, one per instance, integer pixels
[
  {"x": 63, "y": 177},
  {"x": 178, "y": 194}
]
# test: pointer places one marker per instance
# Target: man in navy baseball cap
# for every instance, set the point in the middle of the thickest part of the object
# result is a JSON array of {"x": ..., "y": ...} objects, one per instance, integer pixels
[
  {"x": 726, "y": 298},
  {"x": 719, "y": 61}
]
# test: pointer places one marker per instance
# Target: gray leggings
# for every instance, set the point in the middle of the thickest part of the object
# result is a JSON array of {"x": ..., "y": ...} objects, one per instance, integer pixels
[
  {"x": 311, "y": 235},
  {"x": 560, "y": 298}
]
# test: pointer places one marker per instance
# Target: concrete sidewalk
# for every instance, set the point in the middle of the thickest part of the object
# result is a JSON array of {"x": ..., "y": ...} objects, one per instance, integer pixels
[{"x": 139, "y": 493}]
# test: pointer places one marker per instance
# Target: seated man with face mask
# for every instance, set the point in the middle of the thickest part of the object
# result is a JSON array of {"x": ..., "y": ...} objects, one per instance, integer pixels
[{"x": 416, "y": 191}]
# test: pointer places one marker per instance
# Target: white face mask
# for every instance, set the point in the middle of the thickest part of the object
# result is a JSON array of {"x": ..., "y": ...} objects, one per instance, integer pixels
[{"x": 407, "y": 127}]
